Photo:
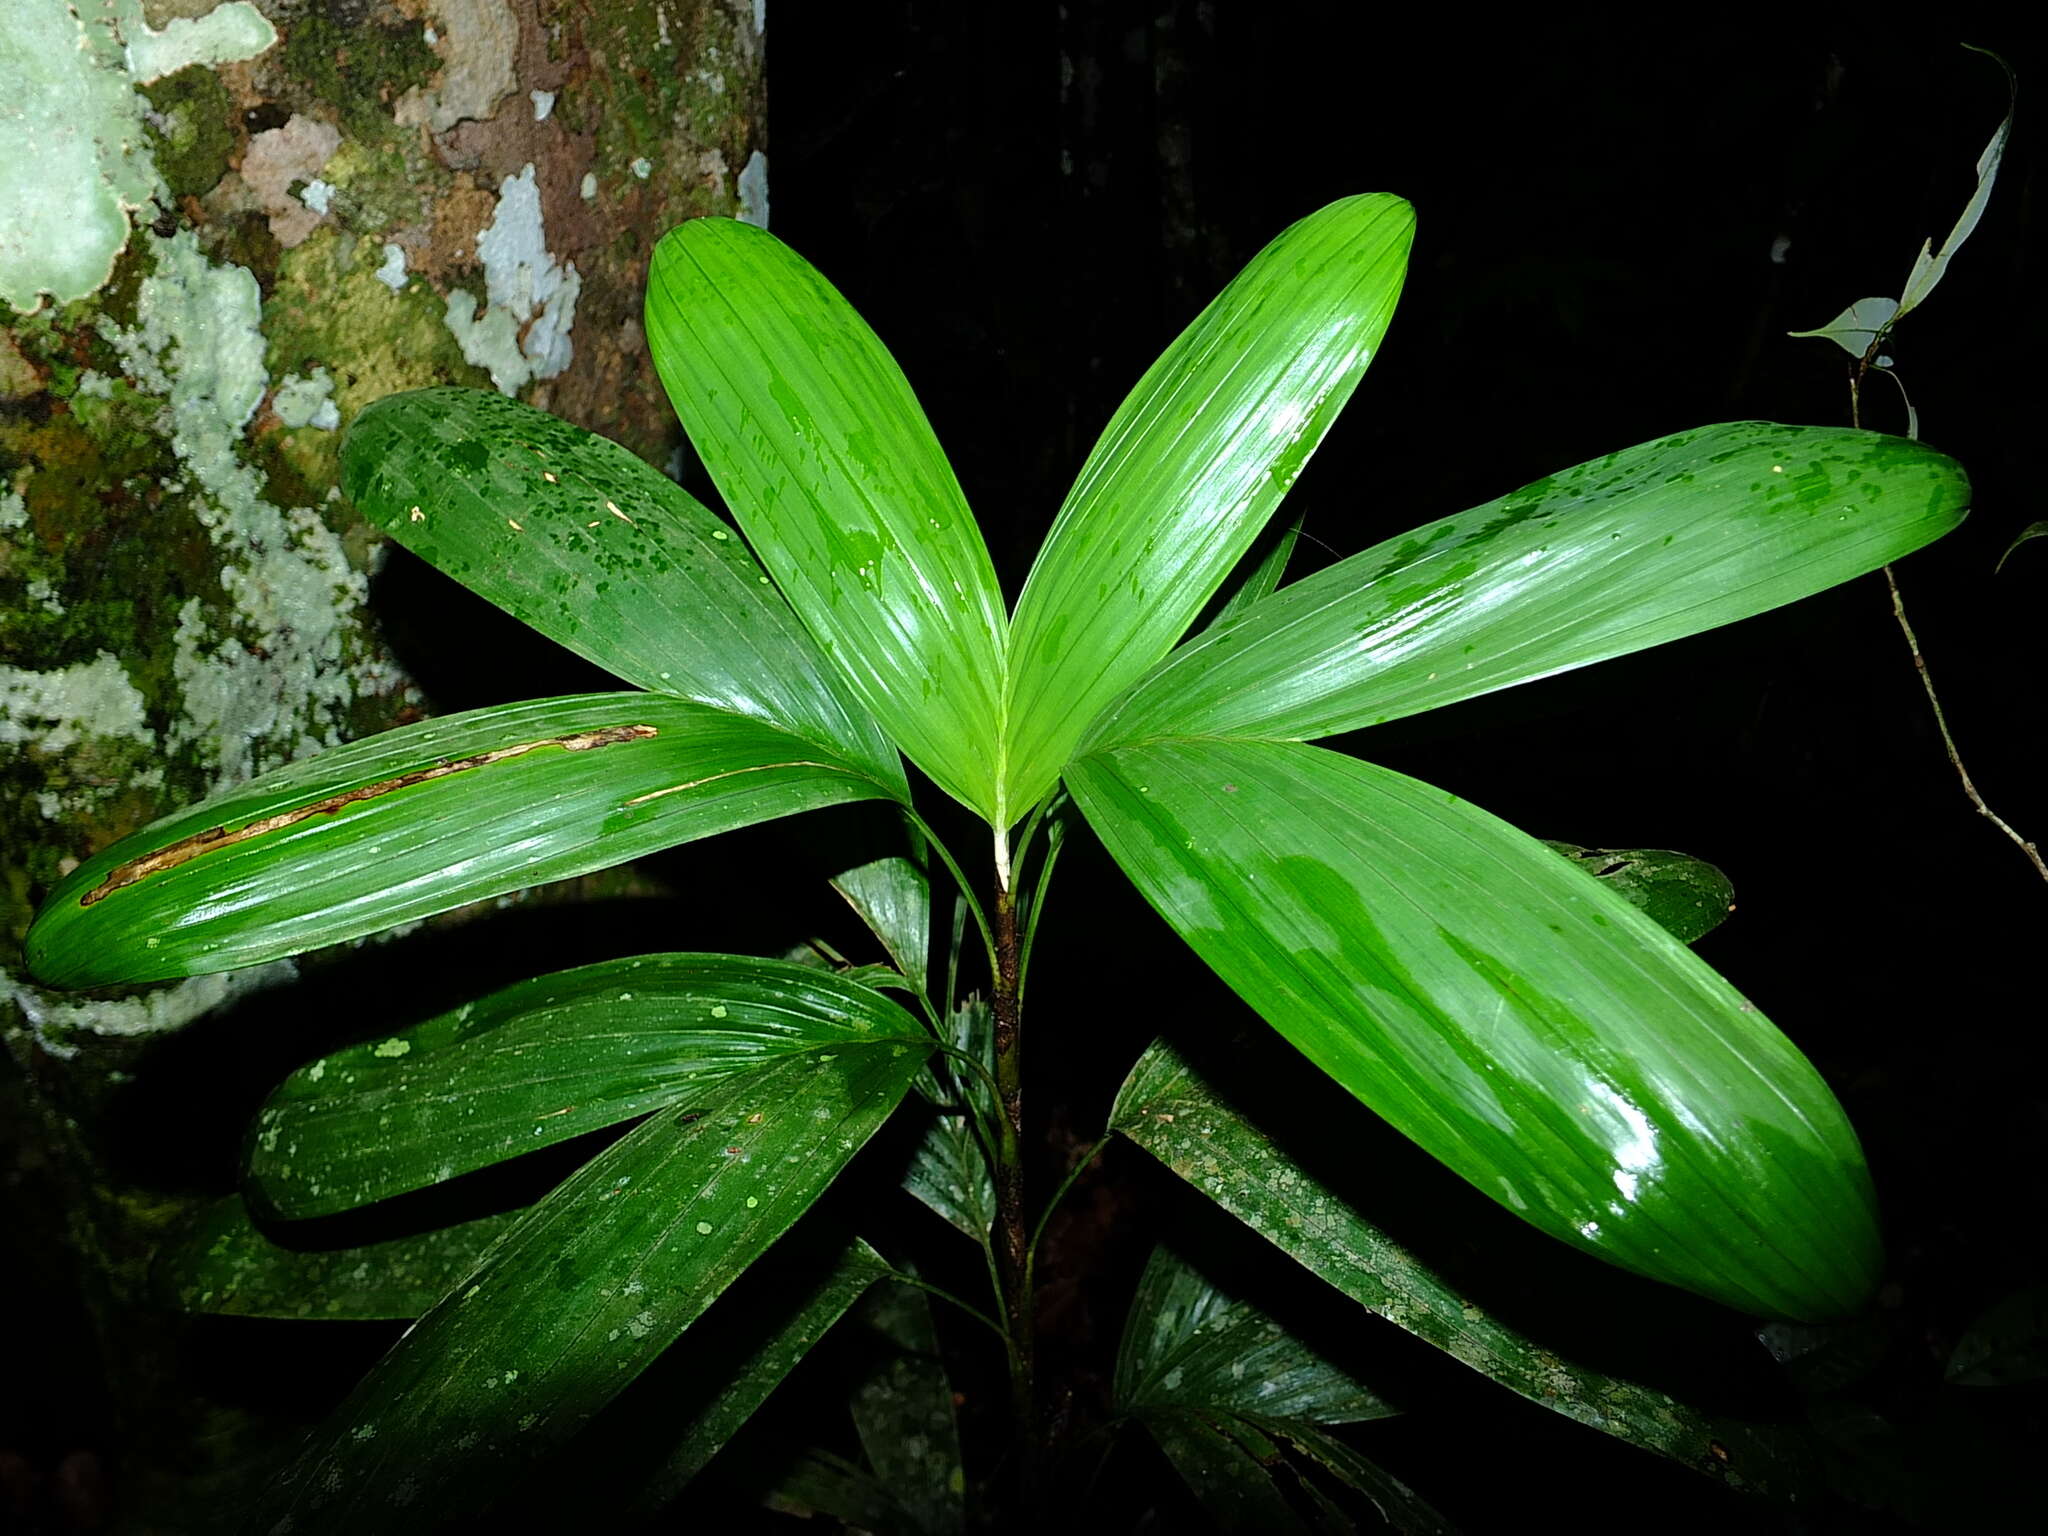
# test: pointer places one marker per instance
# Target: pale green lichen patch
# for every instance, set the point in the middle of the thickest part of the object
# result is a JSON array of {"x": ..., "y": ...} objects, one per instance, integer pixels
[
  {"x": 59, "y": 1024},
  {"x": 268, "y": 679},
  {"x": 229, "y": 32},
  {"x": 58, "y": 709},
  {"x": 307, "y": 402},
  {"x": 522, "y": 332},
  {"x": 73, "y": 162},
  {"x": 753, "y": 189}
]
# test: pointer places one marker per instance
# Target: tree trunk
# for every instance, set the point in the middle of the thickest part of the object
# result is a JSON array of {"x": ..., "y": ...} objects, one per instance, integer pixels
[{"x": 224, "y": 229}]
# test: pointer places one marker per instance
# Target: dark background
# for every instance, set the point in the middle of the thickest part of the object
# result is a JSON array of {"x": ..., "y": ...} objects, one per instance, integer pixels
[{"x": 1027, "y": 203}]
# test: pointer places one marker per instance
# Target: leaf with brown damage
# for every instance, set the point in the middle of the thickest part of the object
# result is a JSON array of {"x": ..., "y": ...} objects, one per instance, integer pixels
[
  {"x": 213, "y": 838},
  {"x": 416, "y": 821}
]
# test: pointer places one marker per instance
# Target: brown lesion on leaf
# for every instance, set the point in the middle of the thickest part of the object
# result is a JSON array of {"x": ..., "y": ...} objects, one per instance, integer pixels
[{"x": 187, "y": 849}]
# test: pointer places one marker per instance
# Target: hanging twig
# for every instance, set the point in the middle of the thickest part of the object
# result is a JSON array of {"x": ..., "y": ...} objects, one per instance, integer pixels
[{"x": 1949, "y": 742}]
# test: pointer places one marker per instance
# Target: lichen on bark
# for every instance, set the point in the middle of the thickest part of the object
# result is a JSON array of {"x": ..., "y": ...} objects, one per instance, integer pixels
[{"x": 183, "y": 595}]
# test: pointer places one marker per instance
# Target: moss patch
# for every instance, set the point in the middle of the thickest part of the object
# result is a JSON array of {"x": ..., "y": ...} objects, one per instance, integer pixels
[
  {"x": 196, "y": 129},
  {"x": 328, "y": 308},
  {"x": 358, "y": 71}
]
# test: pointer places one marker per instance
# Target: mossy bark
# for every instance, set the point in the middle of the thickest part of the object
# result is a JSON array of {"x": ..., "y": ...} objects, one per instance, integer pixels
[{"x": 184, "y": 598}]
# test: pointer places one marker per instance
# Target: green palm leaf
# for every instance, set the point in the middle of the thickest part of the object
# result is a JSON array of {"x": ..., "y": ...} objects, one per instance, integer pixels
[
  {"x": 1191, "y": 467},
  {"x": 1663, "y": 540},
  {"x": 1529, "y": 1028},
  {"x": 821, "y": 450},
  {"x": 419, "y": 820}
]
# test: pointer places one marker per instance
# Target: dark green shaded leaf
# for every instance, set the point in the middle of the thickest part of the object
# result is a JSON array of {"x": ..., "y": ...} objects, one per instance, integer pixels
[
  {"x": 419, "y": 820},
  {"x": 1190, "y": 468},
  {"x": 1826, "y": 1357},
  {"x": 711, "y": 1381},
  {"x": 229, "y": 1266},
  {"x": 1398, "y": 1504},
  {"x": 820, "y": 1483},
  {"x": 1215, "y": 1381},
  {"x": 824, "y": 456},
  {"x": 1182, "y": 1119},
  {"x": 599, "y": 550},
  {"x": 541, "y": 1062},
  {"x": 2008, "y": 1343},
  {"x": 1190, "y": 1347},
  {"x": 1225, "y": 1462},
  {"x": 1646, "y": 545},
  {"x": 894, "y": 898},
  {"x": 1529, "y": 1029},
  {"x": 2031, "y": 531},
  {"x": 949, "y": 1172},
  {"x": 903, "y": 1411},
  {"x": 585, "y": 1291},
  {"x": 1688, "y": 898},
  {"x": 1263, "y": 579}
]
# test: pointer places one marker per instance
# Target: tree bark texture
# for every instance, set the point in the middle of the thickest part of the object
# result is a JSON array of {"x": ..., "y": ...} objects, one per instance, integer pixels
[{"x": 299, "y": 206}]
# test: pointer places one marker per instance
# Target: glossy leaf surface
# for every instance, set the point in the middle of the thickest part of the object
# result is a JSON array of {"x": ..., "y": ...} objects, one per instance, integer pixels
[
  {"x": 1259, "y": 574},
  {"x": 949, "y": 1171},
  {"x": 1687, "y": 897},
  {"x": 825, "y": 457},
  {"x": 1191, "y": 467},
  {"x": 1531, "y": 1030},
  {"x": 583, "y": 1293},
  {"x": 1191, "y": 1347},
  {"x": 418, "y": 820},
  {"x": 597, "y": 549},
  {"x": 1650, "y": 544},
  {"x": 894, "y": 898},
  {"x": 229, "y": 1266},
  {"x": 539, "y": 1063},
  {"x": 1188, "y": 1123},
  {"x": 1217, "y": 1383}
]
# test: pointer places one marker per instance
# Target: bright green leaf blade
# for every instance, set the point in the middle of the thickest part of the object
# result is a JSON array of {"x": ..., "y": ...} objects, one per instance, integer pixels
[
  {"x": 1190, "y": 468},
  {"x": 538, "y": 1063},
  {"x": 894, "y": 898},
  {"x": 1646, "y": 545},
  {"x": 1534, "y": 1032},
  {"x": 599, "y": 550},
  {"x": 1184, "y": 1120},
  {"x": 229, "y": 1266},
  {"x": 1189, "y": 1346},
  {"x": 821, "y": 450},
  {"x": 1856, "y": 329},
  {"x": 418, "y": 820},
  {"x": 1222, "y": 1462},
  {"x": 903, "y": 1411},
  {"x": 581, "y": 1296},
  {"x": 1688, "y": 898}
]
